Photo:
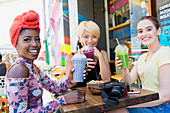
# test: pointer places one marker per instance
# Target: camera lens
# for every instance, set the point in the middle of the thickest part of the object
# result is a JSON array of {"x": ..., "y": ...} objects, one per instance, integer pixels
[{"x": 116, "y": 92}]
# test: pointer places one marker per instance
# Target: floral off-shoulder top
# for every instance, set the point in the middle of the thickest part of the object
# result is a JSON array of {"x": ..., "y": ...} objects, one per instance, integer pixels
[{"x": 25, "y": 94}]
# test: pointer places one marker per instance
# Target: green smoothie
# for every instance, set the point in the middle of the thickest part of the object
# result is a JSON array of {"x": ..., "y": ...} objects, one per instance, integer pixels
[
  {"x": 125, "y": 60},
  {"x": 122, "y": 52}
]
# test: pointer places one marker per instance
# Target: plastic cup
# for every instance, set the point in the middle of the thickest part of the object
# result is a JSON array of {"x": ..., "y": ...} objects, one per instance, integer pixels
[
  {"x": 88, "y": 51},
  {"x": 79, "y": 62},
  {"x": 122, "y": 52}
]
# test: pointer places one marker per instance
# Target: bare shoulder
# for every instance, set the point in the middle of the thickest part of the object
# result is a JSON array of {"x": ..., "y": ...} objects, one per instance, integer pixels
[{"x": 18, "y": 71}]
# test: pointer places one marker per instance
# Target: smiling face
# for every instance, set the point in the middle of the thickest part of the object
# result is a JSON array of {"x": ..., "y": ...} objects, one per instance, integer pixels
[
  {"x": 28, "y": 44},
  {"x": 88, "y": 31},
  {"x": 147, "y": 32},
  {"x": 89, "y": 38}
]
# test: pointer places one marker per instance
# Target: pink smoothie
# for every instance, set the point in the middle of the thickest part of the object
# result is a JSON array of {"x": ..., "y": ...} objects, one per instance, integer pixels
[{"x": 88, "y": 51}]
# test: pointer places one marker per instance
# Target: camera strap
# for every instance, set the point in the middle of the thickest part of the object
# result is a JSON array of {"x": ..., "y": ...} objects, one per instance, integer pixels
[{"x": 109, "y": 100}]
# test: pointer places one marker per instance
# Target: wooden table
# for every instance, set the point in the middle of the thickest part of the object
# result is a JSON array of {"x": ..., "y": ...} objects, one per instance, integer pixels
[{"x": 94, "y": 103}]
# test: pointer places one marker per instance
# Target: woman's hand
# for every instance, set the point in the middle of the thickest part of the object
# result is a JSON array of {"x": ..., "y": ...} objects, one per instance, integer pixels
[
  {"x": 75, "y": 96},
  {"x": 90, "y": 64},
  {"x": 97, "y": 53},
  {"x": 71, "y": 76},
  {"x": 118, "y": 62}
]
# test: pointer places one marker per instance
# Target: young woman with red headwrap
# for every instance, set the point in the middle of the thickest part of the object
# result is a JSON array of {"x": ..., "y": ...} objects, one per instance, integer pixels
[{"x": 24, "y": 80}]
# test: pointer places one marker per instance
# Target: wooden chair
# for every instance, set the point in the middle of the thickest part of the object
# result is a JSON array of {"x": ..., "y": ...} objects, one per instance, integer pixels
[
  {"x": 4, "y": 105},
  {"x": 114, "y": 76}
]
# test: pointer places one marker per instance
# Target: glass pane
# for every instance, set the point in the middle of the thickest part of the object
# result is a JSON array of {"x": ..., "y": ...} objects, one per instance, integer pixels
[
  {"x": 118, "y": 12},
  {"x": 138, "y": 9},
  {"x": 119, "y": 26},
  {"x": 163, "y": 8}
]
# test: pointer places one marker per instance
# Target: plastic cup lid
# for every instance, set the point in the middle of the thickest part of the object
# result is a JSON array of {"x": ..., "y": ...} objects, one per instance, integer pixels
[
  {"x": 121, "y": 49},
  {"x": 79, "y": 56}
]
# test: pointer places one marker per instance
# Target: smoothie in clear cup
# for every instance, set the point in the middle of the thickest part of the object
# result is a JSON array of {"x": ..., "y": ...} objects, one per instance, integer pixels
[
  {"x": 79, "y": 63},
  {"x": 88, "y": 51},
  {"x": 122, "y": 52}
]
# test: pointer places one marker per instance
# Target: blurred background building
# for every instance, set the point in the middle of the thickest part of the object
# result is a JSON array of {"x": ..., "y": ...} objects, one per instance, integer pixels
[{"x": 116, "y": 18}]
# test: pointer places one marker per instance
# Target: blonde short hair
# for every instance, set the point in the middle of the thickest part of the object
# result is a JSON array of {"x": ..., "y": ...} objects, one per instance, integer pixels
[{"x": 89, "y": 26}]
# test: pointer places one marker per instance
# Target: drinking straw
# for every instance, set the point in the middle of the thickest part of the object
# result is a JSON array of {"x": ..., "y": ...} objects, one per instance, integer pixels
[
  {"x": 84, "y": 42},
  {"x": 117, "y": 41},
  {"x": 78, "y": 49}
]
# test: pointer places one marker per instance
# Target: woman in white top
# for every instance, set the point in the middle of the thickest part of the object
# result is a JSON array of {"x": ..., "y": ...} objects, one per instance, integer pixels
[{"x": 152, "y": 67}]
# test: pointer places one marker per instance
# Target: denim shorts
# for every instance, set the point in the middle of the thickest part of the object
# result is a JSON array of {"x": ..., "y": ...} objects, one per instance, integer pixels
[{"x": 162, "y": 108}]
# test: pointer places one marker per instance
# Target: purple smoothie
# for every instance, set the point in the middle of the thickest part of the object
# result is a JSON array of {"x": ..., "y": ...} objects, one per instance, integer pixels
[
  {"x": 89, "y": 54},
  {"x": 88, "y": 51}
]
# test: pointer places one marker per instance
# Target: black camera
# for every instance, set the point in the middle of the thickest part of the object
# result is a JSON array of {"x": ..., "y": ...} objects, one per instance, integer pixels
[
  {"x": 112, "y": 91},
  {"x": 116, "y": 89}
]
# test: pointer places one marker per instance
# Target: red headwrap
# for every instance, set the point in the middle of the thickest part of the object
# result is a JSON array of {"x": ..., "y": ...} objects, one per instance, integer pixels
[{"x": 28, "y": 19}]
